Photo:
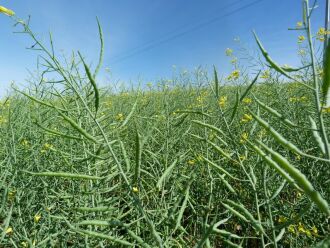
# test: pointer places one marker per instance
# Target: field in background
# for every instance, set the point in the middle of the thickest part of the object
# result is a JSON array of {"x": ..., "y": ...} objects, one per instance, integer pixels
[{"x": 195, "y": 161}]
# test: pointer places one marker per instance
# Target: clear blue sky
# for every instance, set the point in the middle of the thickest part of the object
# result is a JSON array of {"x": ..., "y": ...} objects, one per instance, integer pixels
[{"x": 166, "y": 32}]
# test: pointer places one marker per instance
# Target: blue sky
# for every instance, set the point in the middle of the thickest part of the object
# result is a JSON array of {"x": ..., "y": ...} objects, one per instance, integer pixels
[{"x": 145, "y": 38}]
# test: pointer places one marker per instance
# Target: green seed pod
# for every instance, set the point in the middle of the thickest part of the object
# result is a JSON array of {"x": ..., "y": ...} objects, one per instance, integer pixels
[
  {"x": 300, "y": 179},
  {"x": 268, "y": 58},
  {"x": 64, "y": 175},
  {"x": 316, "y": 135}
]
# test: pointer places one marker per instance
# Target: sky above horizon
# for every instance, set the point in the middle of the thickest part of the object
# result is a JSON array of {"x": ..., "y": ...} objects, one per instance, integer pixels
[{"x": 144, "y": 39}]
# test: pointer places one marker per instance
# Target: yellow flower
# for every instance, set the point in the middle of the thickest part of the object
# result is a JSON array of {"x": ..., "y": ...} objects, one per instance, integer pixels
[
  {"x": 120, "y": 117},
  {"x": 301, "y": 38},
  {"x": 242, "y": 158},
  {"x": 6, "y": 11},
  {"x": 314, "y": 230},
  {"x": 191, "y": 162},
  {"x": 234, "y": 75},
  {"x": 229, "y": 52},
  {"x": 321, "y": 33},
  {"x": 299, "y": 24},
  {"x": 298, "y": 99},
  {"x": 24, "y": 244},
  {"x": 11, "y": 195},
  {"x": 262, "y": 133},
  {"x": 282, "y": 219},
  {"x": 108, "y": 104},
  {"x": 247, "y": 100},
  {"x": 301, "y": 228},
  {"x": 308, "y": 233},
  {"x": 291, "y": 229},
  {"x": 326, "y": 110},
  {"x": 298, "y": 194},
  {"x": 135, "y": 189},
  {"x": 48, "y": 209},
  {"x": 293, "y": 99},
  {"x": 46, "y": 147},
  {"x": 24, "y": 142},
  {"x": 36, "y": 218},
  {"x": 9, "y": 231},
  {"x": 222, "y": 101},
  {"x": 244, "y": 137},
  {"x": 265, "y": 74},
  {"x": 200, "y": 99},
  {"x": 246, "y": 118},
  {"x": 199, "y": 158}
]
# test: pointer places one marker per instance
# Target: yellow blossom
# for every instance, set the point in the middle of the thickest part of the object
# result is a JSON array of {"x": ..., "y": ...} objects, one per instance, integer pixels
[
  {"x": 301, "y": 228},
  {"x": 199, "y": 157},
  {"x": 314, "y": 230},
  {"x": 246, "y": 118},
  {"x": 135, "y": 189},
  {"x": 11, "y": 195},
  {"x": 265, "y": 74},
  {"x": 247, "y": 100},
  {"x": 326, "y": 110},
  {"x": 301, "y": 38},
  {"x": 321, "y": 34},
  {"x": 120, "y": 117},
  {"x": 24, "y": 142},
  {"x": 46, "y": 147},
  {"x": 36, "y": 218},
  {"x": 299, "y": 24},
  {"x": 242, "y": 158},
  {"x": 108, "y": 104},
  {"x": 234, "y": 75},
  {"x": 291, "y": 229},
  {"x": 282, "y": 219},
  {"x": 308, "y": 233},
  {"x": 6, "y": 11},
  {"x": 229, "y": 52},
  {"x": 191, "y": 162},
  {"x": 244, "y": 137},
  {"x": 302, "y": 52},
  {"x": 9, "y": 231},
  {"x": 298, "y": 99},
  {"x": 262, "y": 133},
  {"x": 222, "y": 101},
  {"x": 24, "y": 244}
]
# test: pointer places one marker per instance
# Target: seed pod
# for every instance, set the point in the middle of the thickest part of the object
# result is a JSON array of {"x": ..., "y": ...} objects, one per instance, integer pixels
[
  {"x": 256, "y": 224},
  {"x": 300, "y": 179},
  {"x": 216, "y": 82},
  {"x": 316, "y": 135},
  {"x": 209, "y": 126},
  {"x": 78, "y": 128},
  {"x": 273, "y": 64},
  {"x": 275, "y": 113},
  {"x": 166, "y": 174},
  {"x": 64, "y": 175},
  {"x": 93, "y": 83}
]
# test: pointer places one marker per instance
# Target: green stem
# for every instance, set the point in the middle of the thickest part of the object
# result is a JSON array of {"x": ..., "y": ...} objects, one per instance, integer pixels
[{"x": 316, "y": 83}]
